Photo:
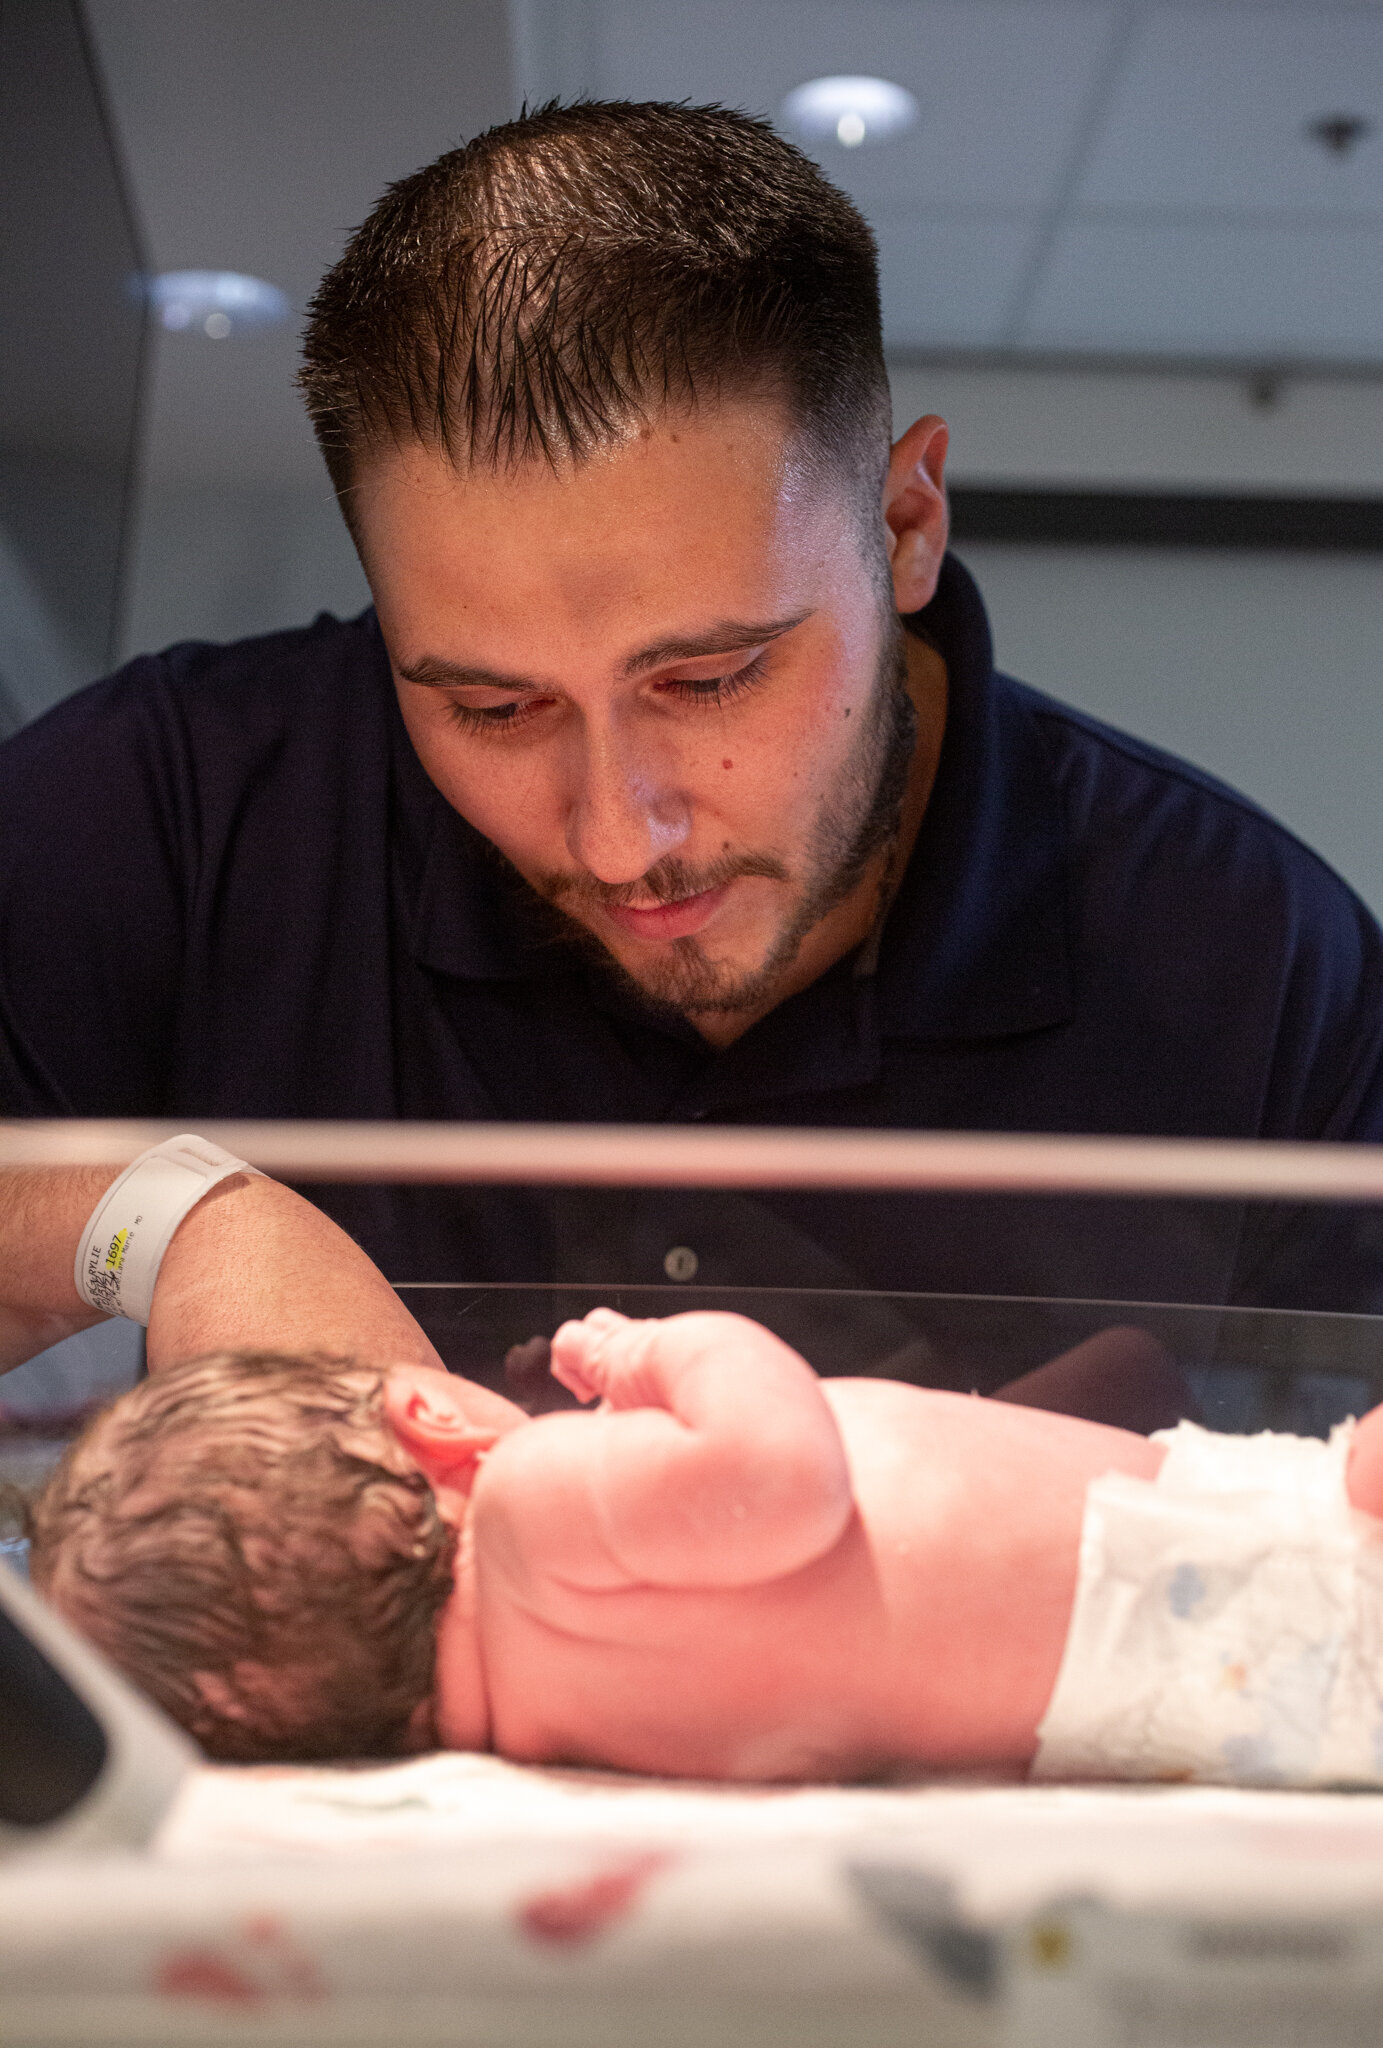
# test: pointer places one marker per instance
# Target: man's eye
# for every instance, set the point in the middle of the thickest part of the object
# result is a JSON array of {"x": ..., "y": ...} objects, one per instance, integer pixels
[
  {"x": 718, "y": 690},
  {"x": 492, "y": 718}
]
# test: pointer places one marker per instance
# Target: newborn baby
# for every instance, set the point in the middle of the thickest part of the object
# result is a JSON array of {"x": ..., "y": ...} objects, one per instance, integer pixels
[{"x": 725, "y": 1568}]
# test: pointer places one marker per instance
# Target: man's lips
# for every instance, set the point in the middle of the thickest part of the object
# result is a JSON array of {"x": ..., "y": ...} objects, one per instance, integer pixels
[{"x": 669, "y": 920}]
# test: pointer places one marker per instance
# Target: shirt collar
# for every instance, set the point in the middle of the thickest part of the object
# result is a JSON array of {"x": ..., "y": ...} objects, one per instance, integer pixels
[{"x": 975, "y": 943}]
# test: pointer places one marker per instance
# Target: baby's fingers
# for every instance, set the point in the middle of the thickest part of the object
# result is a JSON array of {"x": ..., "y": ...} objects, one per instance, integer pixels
[
  {"x": 578, "y": 1359},
  {"x": 568, "y": 1363}
]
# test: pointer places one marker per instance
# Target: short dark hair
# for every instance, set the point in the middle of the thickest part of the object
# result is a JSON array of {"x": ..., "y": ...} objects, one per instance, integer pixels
[
  {"x": 573, "y": 272},
  {"x": 250, "y": 1519}
]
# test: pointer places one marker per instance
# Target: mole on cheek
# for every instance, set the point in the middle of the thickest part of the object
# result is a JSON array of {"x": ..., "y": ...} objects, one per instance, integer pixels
[{"x": 727, "y": 764}]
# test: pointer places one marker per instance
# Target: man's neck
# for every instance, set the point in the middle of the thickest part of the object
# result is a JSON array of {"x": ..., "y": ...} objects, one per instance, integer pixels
[{"x": 851, "y": 922}]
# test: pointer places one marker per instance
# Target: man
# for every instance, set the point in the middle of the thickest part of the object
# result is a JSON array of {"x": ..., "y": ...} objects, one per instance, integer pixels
[{"x": 669, "y": 779}]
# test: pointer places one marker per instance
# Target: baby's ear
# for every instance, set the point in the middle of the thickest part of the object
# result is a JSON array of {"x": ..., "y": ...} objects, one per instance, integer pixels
[{"x": 426, "y": 1410}]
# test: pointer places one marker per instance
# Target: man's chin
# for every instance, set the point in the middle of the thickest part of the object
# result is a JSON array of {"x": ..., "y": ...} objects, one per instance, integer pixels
[
  {"x": 680, "y": 977},
  {"x": 683, "y": 979}
]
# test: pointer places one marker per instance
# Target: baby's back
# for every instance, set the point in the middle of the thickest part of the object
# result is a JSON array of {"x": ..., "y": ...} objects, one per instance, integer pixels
[{"x": 929, "y": 1633}]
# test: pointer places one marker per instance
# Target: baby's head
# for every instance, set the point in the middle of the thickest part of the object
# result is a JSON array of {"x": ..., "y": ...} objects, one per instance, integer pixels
[{"x": 247, "y": 1537}]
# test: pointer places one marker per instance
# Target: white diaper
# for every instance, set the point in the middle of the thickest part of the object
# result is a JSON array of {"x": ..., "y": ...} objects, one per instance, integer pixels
[{"x": 1228, "y": 1621}]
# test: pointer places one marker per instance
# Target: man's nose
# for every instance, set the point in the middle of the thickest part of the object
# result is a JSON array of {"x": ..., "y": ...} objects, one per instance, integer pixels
[{"x": 626, "y": 812}]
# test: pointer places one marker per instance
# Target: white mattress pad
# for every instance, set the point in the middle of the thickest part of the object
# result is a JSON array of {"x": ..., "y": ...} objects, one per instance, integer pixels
[{"x": 462, "y": 1900}]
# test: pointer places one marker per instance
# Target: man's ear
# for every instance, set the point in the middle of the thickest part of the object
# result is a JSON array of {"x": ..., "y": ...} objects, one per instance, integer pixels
[
  {"x": 915, "y": 511},
  {"x": 427, "y": 1412}
]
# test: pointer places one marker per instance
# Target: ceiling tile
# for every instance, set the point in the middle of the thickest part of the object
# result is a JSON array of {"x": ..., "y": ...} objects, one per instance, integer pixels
[
  {"x": 949, "y": 282},
  {"x": 1211, "y": 104},
  {"x": 1004, "y": 85},
  {"x": 1239, "y": 290}
]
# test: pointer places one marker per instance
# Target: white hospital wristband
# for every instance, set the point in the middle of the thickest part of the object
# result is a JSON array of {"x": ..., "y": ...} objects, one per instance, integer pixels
[{"x": 132, "y": 1225}]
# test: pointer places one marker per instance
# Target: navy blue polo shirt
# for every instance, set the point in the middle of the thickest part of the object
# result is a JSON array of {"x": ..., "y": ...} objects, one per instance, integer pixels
[{"x": 228, "y": 889}]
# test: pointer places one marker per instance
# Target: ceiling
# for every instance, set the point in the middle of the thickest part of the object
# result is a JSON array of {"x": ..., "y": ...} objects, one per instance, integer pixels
[
  {"x": 256, "y": 134},
  {"x": 1112, "y": 179},
  {"x": 1086, "y": 175}
]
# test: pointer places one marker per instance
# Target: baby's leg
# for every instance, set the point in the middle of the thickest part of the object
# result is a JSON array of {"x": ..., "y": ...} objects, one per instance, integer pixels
[{"x": 1364, "y": 1473}]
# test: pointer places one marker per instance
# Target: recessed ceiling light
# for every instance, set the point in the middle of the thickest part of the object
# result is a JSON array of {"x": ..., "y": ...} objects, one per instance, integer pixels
[
  {"x": 217, "y": 303},
  {"x": 850, "y": 111}
]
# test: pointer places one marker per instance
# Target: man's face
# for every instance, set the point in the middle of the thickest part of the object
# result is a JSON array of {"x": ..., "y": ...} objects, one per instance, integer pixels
[{"x": 664, "y": 683}]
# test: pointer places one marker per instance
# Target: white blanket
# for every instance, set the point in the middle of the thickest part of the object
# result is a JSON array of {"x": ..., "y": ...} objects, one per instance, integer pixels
[{"x": 464, "y": 1901}]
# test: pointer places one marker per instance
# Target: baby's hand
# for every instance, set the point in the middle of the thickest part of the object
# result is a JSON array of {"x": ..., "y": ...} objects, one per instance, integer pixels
[
  {"x": 719, "y": 1460},
  {"x": 601, "y": 1356}
]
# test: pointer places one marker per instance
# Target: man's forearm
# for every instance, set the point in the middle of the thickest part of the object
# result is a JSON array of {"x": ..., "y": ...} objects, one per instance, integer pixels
[
  {"x": 256, "y": 1267},
  {"x": 252, "y": 1267}
]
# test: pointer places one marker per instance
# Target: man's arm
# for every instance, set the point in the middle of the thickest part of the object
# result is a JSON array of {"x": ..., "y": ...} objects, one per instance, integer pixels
[
  {"x": 252, "y": 1267},
  {"x": 713, "y": 1459}
]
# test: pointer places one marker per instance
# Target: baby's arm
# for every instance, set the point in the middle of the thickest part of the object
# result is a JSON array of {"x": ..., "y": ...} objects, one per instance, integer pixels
[{"x": 713, "y": 1459}]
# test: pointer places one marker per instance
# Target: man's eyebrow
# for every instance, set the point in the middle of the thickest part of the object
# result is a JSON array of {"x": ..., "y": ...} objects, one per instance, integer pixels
[
  {"x": 435, "y": 672},
  {"x": 726, "y": 636}
]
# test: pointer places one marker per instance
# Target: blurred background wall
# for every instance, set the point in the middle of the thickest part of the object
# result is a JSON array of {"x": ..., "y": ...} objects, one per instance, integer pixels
[
  {"x": 70, "y": 367},
  {"x": 1132, "y": 251}
]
